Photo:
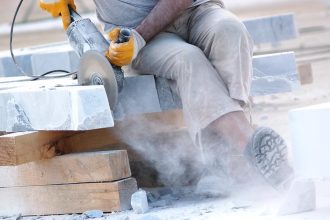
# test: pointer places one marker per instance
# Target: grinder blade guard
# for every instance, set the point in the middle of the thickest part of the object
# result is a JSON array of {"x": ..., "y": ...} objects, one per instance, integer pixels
[{"x": 90, "y": 45}]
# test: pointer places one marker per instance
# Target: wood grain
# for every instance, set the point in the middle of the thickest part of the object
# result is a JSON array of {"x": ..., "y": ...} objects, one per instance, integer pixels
[
  {"x": 104, "y": 166},
  {"x": 19, "y": 148},
  {"x": 66, "y": 199},
  {"x": 23, "y": 147}
]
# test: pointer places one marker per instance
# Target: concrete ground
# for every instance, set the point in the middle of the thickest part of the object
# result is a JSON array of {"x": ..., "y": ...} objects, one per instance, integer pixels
[{"x": 313, "y": 45}]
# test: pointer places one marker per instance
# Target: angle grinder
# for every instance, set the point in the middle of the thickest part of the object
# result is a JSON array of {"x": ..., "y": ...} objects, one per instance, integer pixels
[{"x": 94, "y": 68}]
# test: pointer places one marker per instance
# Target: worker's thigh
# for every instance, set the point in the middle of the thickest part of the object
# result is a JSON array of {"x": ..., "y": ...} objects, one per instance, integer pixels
[
  {"x": 204, "y": 94},
  {"x": 226, "y": 43}
]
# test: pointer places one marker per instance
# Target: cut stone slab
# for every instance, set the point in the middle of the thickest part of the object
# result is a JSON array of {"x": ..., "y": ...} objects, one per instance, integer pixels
[
  {"x": 300, "y": 198},
  {"x": 56, "y": 108},
  {"x": 27, "y": 58},
  {"x": 30, "y": 105},
  {"x": 274, "y": 73},
  {"x": 309, "y": 133},
  {"x": 45, "y": 62},
  {"x": 25, "y": 82},
  {"x": 8, "y": 67},
  {"x": 167, "y": 98},
  {"x": 139, "y": 95},
  {"x": 272, "y": 29},
  {"x": 60, "y": 105}
]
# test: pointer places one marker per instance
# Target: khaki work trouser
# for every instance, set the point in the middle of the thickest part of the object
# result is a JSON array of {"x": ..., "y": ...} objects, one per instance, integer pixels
[{"x": 207, "y": 53}]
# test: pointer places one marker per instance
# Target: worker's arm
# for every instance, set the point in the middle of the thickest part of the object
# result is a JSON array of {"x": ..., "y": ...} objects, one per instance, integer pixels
[
  {"x": 59, "y": 8},
  {"x": 163, "y": 14}
]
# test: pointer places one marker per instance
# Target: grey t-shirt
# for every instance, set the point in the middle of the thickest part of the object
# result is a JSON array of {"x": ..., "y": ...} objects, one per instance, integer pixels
[{"x": 126, "y": 13}]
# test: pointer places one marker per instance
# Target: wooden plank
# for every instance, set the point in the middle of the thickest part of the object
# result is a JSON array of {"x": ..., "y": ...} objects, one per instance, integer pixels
[
  {"x": 114, "y": 138},
  {"x": 140, "y": 144},
  {"x": 104, "y": 166},
  {"x": 66, "y": 199},
  {"x": 24, "y": 147},
  {"x": 18, "y": 148},
  {"x": 306, "y": 73}
]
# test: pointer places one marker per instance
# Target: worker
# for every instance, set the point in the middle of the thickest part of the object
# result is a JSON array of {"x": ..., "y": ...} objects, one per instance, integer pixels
[{"x": 206, "y": 52}]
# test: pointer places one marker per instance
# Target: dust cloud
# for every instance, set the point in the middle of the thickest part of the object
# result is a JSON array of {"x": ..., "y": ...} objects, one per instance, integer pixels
[{"x": 209, "y": 166}]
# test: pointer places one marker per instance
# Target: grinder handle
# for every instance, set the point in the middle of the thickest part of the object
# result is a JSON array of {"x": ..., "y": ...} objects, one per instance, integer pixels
[
  {"x": 124, "y": 35},
  {"x": 74, "y": 15}
]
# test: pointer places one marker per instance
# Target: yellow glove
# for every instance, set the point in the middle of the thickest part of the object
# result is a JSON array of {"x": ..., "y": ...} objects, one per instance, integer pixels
[
  {"x": 122, "y": 54},
  {"x": 59, "y": 8}
]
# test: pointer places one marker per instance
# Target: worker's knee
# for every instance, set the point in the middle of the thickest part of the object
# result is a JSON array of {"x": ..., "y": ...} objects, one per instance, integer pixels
[
  {"x": 230, "y": 30},
  {"x": 188, "y": 60},
  {"x": 189, "y": 56},
  {"x": 189, "y": 52}
]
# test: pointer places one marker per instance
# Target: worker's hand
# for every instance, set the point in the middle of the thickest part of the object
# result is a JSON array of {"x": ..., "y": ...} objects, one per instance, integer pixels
[
  {"x": 59, "y": 8},
  {"x": 122, "y": 54}
]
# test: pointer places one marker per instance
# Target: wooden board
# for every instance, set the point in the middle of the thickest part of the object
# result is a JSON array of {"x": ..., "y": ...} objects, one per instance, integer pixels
[
  {"x": 66, "y": 199},
  {"x": 146, "y": 125},
  {"x": 104, "y": 166},
  {"x": 306, "y": 73},
  {"x": 142, "y": 148},
  {"x": 18, "y": 148}
]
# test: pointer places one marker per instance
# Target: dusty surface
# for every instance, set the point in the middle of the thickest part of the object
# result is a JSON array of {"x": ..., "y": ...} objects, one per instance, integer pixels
[
  {"x": 248, "y": 202},
  {"x": 312, "y": 46}
]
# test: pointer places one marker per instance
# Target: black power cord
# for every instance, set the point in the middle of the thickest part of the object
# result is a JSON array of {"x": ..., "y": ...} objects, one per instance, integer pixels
[{"x": 44, "y": 75}]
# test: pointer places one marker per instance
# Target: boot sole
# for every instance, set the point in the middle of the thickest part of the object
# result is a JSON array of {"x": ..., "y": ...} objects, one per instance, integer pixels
[{"x": 268, "y": 153}]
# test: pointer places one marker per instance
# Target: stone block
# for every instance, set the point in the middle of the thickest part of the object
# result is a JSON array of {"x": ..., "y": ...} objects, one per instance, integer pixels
[
  {"x": 9, "y": 68},
  {"x": 139, "y": 202},
  {"x": 139, "y": 95},
  {"x": 272, "y": 29},
  {"x": 23, "y": 82},
  {"x": 274, "y": 73},
  {"x": 54, "y": 108},
  {"x": 168, "y": 99},
  {"x": 309, "y": 131},
  {"x": 45, "y": 62},
  {"x": 301, "y": 197},
  {"x": 33, "y": 60}
]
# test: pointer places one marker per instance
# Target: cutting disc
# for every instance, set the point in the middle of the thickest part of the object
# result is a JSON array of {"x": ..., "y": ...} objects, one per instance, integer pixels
[{"x": 95, "y": 69}]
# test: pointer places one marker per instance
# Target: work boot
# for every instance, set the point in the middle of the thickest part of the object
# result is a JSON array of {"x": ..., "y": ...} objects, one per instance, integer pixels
[{"x": 268, "y": 153}]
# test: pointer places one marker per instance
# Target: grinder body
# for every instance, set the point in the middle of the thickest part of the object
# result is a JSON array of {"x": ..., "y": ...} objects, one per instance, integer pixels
[{"x": 94, "y": 68}]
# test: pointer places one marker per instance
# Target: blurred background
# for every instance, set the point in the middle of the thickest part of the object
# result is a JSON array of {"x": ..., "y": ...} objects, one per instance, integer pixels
[
  {"x": 35, "y": 27},
  {"x": 309, "y": 14}
]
